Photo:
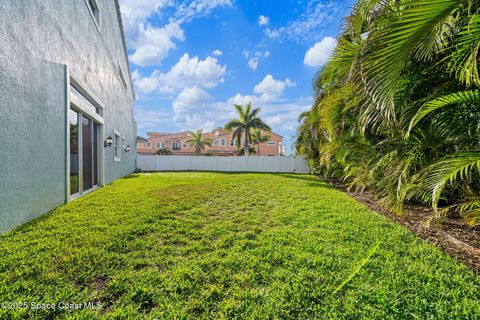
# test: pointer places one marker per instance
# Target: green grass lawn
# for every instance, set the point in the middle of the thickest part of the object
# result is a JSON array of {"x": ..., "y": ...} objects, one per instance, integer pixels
[{"x": 205, "y": 245}]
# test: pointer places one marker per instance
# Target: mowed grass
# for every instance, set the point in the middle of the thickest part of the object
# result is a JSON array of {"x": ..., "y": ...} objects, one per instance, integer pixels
[{"x": 207, "y": 245}]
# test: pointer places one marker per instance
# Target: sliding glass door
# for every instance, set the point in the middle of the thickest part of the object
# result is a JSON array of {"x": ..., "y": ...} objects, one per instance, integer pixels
[
  {"x": 74, "y": 152},
  {"x": 83, "y": 152}
]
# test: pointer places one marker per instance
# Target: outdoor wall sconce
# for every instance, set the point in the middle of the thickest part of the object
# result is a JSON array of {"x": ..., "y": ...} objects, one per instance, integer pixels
[
  {"x": 127, "y": 148},
  {"x": 108, "y": 142}
]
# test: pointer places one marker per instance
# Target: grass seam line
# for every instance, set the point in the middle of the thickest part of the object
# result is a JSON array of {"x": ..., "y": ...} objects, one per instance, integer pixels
[{"x": 358, "y": 268}]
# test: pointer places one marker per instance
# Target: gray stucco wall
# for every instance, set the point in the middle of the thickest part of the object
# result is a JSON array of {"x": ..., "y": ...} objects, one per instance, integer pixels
[{"x": 39, "y": 41}]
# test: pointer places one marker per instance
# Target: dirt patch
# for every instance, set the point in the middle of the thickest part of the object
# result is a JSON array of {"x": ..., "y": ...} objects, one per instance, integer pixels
[
  {"x": 99, "y": 283},
  {"x": 453, "y": 235}
]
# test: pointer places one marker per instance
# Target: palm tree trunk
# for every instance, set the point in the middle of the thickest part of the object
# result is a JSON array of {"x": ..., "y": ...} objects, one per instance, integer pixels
[{"x": 246, "y": 143}]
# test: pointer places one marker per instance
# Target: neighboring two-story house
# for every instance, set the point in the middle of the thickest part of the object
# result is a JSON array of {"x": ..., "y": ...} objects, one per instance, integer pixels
[
  {"x": 223, "y": 144},
  {"x": 66, "y": 104}
]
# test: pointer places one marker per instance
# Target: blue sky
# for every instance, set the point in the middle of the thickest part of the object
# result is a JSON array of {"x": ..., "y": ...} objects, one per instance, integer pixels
[{"x": 192, "y": 60}]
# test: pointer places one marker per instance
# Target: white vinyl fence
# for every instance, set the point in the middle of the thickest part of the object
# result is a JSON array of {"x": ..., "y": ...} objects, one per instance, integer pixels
[{"x": 294, "y": 164}]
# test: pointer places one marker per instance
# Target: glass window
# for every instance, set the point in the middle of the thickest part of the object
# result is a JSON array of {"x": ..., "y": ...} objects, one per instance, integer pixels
[
  {"x": 86, "y": 102},
  {"x": 83, "y": 153},
  {"x": 271, "y": 143},
  {"x": 74, "y": 153},
  {"x": 116, "y": 147},
  {"x": 176, "y": 146},
  {"x": 95, "y": 154},
  {"x": 222, "y": 142},
  {"x": 232, "y": 142},
  {"x": 94, "y": 10},
  {"x": 122, "y": 78},
  {"x": 87, "y": 153},
  {"x": 149, "y": 145}
]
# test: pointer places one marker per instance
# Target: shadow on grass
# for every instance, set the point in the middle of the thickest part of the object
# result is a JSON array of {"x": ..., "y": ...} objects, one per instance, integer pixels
[
  {"x": 132, "y": 176},
  {"x": 312, "y": 180}
]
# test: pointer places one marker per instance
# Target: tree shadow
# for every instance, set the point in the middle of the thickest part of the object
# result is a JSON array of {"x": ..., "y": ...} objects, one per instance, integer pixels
[
  {"x": 312, "y": 180},
  {"x": 132, "y": 176}
]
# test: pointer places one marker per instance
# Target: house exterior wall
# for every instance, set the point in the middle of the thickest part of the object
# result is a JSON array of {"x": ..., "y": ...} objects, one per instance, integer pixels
[
  {"x": 158, "y": 140},
  {"x": 43, "y": 44}
]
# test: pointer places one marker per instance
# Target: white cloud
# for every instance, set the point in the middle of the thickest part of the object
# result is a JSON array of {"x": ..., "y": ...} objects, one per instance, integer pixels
[
  {"x": 187, "y": 72},
  {"x": 195, "y": 109},
  {"x": 253, "y": 63},
  {"x": 139, "y": 9},
  {"x": 256, "y": 56},
  {"x": 282, "y": 116},
  {"x": 241, "y": 99},
  {"x": 193, "y": 71},
  {"x": 153, "y": 44},
  {"x": 270, "y": 89},
  {"x": 217, "y": 53},
  {"x": 197, "y": 122},
  {"x": 273, "y": 34},
  {"x": 190, "y": 99},
  {"x": 263, "y": 20},
  {"x": 319, "y": 54},
  {"x": 273, "y": 120},
  {"x": 310, "y": 23},
  {"x": 146, "y": 84},
  {"x": 148, "y": 119},
  {"x": 197, "y": 8},
  {"x": 135, "y": 12}
]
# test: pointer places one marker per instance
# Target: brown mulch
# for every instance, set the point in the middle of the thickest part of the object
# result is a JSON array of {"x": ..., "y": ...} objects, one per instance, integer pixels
[{"x": 452, "y": 235}]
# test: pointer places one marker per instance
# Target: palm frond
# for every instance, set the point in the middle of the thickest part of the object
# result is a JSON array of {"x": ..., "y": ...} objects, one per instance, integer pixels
[
  {"x": 463, "y": 61},
  {"x": 436, "y": 177},
  {"x": 463, "y": 97},
  {"x": 392, "y": 43},
  {"x": 258, "y": 123},
  {"x": 232, "y": 124}
]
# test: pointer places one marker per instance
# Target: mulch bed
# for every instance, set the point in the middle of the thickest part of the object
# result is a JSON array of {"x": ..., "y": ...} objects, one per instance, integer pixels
[{"x": 452, "y": 235}]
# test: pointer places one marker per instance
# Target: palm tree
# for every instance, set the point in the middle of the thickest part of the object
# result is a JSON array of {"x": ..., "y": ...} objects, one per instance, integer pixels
[
  {"x": 258, "y": 138},
  {"x": 247, "y": 120},
  {"x": 198, "y": 141},
  {"x": 241, "y": 151}
]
